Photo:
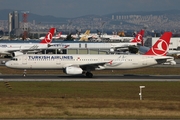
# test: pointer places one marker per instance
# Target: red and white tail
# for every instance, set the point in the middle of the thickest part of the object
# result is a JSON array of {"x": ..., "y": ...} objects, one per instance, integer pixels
[
  {"x": 48, "y": 37},
  {"x": 161, "y": 46},
  {"x": 139, "y": 37}
]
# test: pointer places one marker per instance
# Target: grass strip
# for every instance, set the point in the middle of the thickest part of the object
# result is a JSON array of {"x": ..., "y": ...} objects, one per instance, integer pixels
[{"x": 89, "y": 100}]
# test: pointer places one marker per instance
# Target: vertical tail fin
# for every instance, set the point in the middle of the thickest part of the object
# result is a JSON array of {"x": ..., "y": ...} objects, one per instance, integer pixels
[
  {"x": 161, "y": 46},
  {"x": 48, "y": 37},
  {"x": 85, "y": 36},
  {"x": 139, "y": 37},
  {"x": 87, "y": 32}
]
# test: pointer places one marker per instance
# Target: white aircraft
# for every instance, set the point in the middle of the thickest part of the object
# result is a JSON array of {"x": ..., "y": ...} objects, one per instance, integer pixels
[
  {"x": 58, "y": 36},
  {"x": 16, "y": 49},
  {"x": 119, "y": 38},
  {"x": 138, "y": 39},
  {"x": 83, "y": 64}
]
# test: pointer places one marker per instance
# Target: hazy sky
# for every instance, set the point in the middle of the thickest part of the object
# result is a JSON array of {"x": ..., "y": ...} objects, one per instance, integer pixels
[{"x": 75, "y": 8}]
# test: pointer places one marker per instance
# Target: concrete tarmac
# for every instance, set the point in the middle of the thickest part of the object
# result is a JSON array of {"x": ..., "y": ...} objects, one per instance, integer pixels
[{"x": 125, "y": 77}]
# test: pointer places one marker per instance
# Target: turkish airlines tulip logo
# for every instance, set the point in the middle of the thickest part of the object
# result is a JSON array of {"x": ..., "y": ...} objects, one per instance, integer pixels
[
  {"x": 160, "y": 48},
  {"x": 48, "y": 38},
  {"x": 139, "y": 38}
]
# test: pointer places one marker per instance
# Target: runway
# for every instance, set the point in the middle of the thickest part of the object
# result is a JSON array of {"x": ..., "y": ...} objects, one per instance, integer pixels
[{"x": 126, "y": 77}]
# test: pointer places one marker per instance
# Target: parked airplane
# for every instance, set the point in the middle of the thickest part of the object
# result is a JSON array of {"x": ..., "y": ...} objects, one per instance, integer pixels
[
  {"x": 139, "y": 38},
  {"x": 54, "y": 37},
  {"x": 84, "y": 64},
  {"x": 119, "y": 38},
  {"x": 76, "y": 36},
  {"x": 16, "y": 49}
]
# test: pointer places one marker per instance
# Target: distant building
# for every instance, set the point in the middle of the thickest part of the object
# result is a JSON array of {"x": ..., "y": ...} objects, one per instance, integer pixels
[
  {"x": 13, "y": 23},
  {"x": 10, "y": 23},
  {"x": 15, "y": 20}
]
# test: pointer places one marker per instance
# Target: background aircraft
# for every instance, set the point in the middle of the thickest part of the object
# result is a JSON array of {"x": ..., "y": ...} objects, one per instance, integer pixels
[
  {"x": 16, "y": 49},
  {"x": 54, "y": 37}
]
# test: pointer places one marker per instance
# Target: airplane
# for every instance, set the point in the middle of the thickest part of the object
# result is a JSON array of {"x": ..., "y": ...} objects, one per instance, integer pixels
[
  {"x": 82, "y": 37},
  {"x": 58, "y": 36},
  {"x": 75, "y": 64},
  {"x": 16, "y": 49},
  {"x": 139, "y": 38},
  {"x": 119, "y": 38}
]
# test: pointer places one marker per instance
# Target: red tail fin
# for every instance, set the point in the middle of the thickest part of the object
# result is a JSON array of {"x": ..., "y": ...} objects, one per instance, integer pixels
[
  {"x": 161, "y": 46},
  {"x": 49, "y": 35},
  {"x": 139, "y": 37}
]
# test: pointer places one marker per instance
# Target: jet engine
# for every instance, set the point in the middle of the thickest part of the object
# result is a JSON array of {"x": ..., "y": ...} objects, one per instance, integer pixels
[
  {"x": 73, "y": 70},
  {"x": 173, "y": 62},
  {"x": 17, "y": 53}
]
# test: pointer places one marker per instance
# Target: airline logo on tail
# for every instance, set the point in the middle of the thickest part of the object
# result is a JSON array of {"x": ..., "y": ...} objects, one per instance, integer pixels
[
  {"x": 139, "y": 37},
  {"x": 161, "y": 46},
  {"x": 49, "y": 35}
]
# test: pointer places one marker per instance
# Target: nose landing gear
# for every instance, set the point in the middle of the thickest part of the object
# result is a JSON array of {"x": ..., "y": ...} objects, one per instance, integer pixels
[{"x": 24, "y": 73}]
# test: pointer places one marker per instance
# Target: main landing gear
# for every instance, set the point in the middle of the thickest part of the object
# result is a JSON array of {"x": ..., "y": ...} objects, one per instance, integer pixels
[
  {"x": 89, "y": 74},
  {"x": 24, "y": 73}
]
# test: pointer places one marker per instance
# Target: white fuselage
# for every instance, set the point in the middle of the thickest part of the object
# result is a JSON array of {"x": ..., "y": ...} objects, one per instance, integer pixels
[
  {"x": 90, "y": 45},
  {"x": 99, "y": 62},
  {"x": 116, "y": 37},
  {"x": 8, "y": 48}
]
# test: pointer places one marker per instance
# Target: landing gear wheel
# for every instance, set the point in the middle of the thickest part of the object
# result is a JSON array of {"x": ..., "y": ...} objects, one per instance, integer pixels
[
  {"x": 89, "y": 75},
  {"x": 24, "y": 73}
]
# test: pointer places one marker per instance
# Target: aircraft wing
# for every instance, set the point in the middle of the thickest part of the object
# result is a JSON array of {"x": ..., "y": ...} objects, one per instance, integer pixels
[
  {"x": 93, "y": 66},
  {"x": 85, "y": 66},
  {"x": 35, "y": 48},
  {"x": 25, "y": 50},
  {"x": 96, "y": 66}
]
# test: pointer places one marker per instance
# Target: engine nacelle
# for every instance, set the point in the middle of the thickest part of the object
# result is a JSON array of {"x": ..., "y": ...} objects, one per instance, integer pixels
[
  {"x": 73, "y": 70},
  {"x": 17, "y": 53},
  {"x": 173, "y": 62}
]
